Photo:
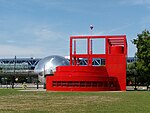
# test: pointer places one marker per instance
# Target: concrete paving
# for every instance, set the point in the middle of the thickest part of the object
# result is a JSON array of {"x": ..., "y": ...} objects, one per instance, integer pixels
[
  {"x": 34, "y": 90},
  {"x": 33, "y": 87}
]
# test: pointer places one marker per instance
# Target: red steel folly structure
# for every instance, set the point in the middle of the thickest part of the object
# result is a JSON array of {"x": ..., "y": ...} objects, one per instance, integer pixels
[{"x": 109, "y": 77}]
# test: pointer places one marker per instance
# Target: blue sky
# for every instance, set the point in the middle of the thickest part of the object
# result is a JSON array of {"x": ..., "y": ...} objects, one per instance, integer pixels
[{"x": 39, "y": 28}]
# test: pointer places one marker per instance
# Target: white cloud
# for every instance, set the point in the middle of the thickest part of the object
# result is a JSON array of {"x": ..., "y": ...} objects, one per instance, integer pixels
[
  {"x": 93, "y": 32},
  {"x": 10, "y": 41},
  {"x": 34, "y": 40},
  {"x": 136, "y": 2},
  {"x": 45, "y": 34},
  {"x": 42, "y": 33},
  {"x": 140, "y": 2},
  {"x": 11, "y": 51}
]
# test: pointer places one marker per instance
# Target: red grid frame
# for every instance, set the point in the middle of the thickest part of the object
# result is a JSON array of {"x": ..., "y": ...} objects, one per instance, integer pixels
[{"x": 118, "y": 40}]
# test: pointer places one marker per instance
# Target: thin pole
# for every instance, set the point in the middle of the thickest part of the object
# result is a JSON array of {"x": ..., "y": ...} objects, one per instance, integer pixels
[
  {"x": 91, "y": 46},
  {"x": 70, "y": 51},
  {"x": 75, "y": 62},
  {"x": 13, "y": 76},
  {"x": 88, "y": 50},
  {"x": 37, "y": 84},
  {"x": 91, "y": 59},
  {"x": 44, "y": 85}
]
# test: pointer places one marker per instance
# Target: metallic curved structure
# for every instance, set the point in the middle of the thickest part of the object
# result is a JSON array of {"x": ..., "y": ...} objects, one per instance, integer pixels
[{"x": 48, "y": 66}]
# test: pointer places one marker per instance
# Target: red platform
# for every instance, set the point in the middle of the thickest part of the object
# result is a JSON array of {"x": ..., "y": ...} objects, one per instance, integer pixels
[{"x": 75, "y": 77}]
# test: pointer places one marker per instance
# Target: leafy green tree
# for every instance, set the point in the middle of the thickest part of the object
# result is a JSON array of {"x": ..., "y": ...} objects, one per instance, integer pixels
[
  {"x": 131, "y": 68},
  {"x": 142, "y": 43},
  {"x": 132, "y": 76}
]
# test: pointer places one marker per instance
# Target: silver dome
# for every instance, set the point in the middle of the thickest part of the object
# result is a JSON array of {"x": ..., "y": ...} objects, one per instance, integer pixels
[{"x": 48, "y": 66}]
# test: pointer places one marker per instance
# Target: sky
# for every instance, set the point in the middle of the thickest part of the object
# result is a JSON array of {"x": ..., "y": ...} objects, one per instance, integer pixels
[{"x": 39, "y": 28}]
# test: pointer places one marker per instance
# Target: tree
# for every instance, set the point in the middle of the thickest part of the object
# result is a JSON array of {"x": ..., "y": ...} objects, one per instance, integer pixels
[
  {"x": 131, "y": 74},
  {"x": 142, "y": 43}
]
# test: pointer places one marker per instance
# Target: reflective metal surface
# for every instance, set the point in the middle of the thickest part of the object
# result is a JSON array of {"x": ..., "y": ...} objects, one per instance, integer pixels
[{"x": 48, "y": 66}]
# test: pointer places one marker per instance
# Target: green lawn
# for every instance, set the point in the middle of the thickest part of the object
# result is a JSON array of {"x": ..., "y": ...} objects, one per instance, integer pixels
[{"x": 14, "y": 101}]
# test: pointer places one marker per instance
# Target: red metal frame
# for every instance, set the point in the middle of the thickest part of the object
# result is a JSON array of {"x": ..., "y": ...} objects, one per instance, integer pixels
[{"x": 110, "y": 77}]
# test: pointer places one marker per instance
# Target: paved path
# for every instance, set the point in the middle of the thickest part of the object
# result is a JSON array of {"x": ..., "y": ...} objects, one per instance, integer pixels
[{"x": 33, "y": 90}]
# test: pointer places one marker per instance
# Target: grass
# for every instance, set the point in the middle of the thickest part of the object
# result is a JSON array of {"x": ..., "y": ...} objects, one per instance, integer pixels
[{"x": 14, "y": 101}]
